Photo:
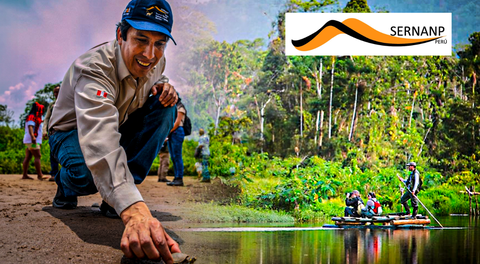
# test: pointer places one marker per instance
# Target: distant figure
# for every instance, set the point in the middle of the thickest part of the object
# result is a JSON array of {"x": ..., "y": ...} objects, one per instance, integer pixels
[
  {"x": 53, "y": 161},
  {"x": 373, "y": 207},
  {"x": 175, "y": 143},
  {"x": 412, "y": 184},
  {"x": 203, "y": 148},
  {"x": 354, "y": 204},
  {"x": 33, "y": 127},
  {"x": 164, "y": 157}
]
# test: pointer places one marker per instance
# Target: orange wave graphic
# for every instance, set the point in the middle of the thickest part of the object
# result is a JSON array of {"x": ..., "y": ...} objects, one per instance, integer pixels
[{"x": 356, "y": 29}]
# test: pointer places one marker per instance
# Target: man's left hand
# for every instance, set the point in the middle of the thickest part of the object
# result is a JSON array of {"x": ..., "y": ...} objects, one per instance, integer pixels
[{"x": 168, "y": 95}]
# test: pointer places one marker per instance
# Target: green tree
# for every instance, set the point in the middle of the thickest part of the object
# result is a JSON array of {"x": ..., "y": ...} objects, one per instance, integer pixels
[
  {"x": 357, "y": 6},
  {"x": 5, "y": 115}
]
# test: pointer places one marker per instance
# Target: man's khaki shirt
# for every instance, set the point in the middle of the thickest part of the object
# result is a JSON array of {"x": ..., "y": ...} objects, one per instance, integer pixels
[{"x": 97, "y": 95}]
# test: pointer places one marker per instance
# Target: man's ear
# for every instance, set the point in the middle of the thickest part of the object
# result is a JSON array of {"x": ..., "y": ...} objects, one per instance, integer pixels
[{"x": 119, "y": 36}]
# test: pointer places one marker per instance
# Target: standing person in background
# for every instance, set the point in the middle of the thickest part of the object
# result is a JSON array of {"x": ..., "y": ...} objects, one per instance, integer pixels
[
  {"x": 175, "y": 143},
  {"x": 203, "y": 145},
  {"x": 164, "y": 160},
  {"x": 412, "y": 183},
  {"x": 32, "y": 140},
  {"x": 53, "y": 161}
]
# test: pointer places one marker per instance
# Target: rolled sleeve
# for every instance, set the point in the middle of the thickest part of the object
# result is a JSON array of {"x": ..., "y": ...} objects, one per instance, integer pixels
[{"x": 97, "y": 124}]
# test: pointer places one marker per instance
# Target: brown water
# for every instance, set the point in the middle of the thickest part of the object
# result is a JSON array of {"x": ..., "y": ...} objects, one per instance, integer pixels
[{"x": 459, "y": 242}]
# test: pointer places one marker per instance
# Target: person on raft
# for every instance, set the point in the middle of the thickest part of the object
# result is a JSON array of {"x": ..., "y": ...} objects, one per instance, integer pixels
[
  {"x": 354, "y": 204},
  {"x": 373, "y": 208}
]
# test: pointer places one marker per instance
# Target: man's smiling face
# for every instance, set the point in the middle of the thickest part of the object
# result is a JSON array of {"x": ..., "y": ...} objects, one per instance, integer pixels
[{"x": 142, "y": 50}]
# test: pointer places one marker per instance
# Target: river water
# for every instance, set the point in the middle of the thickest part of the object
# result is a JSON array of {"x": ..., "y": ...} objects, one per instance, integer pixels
[{"x": 458, "y": 242}]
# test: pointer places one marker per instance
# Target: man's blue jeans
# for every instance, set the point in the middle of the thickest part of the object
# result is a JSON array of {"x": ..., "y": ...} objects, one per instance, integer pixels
[
  {"x": 175, "y": 143},
  {"x": 142, "y": 137},
  {"x": 53, "y": 165}
]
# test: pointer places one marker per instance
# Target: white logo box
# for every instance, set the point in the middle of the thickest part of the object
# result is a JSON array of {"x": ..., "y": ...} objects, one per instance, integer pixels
[{"x": 301, "y": 25}]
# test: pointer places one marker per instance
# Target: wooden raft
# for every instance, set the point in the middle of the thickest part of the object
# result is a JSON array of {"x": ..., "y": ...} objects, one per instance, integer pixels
[{"x": 386, "y": 221}]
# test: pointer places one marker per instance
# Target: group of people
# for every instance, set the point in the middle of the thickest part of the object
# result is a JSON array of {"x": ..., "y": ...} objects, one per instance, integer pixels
[
  {"x": 355, "y": 207},
  {"x": 172, "y": 147}
]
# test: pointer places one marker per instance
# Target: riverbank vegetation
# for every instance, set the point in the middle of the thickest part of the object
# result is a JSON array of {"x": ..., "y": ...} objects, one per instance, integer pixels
[{"x": 296, "y": 133}]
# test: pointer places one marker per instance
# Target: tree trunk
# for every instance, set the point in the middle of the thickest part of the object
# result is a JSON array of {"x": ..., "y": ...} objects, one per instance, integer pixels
[
  {"x": 474, "y": 75},
  {"x": 258, "y": 110},
  {"x": 217, "y": 117},
  {"x": 331, "y": 98},
  {"x": 354, "y": 113},
  {"x": 262, "y": 121},
  {"x": 301, "y": 110},
  {"x": 411, "y": 112},
  {"x": 321, "y": 130},
  {"x": 319, "y": 81},
  {"x": 319, "y": 95},
  {"x": 316, "y": 127}
]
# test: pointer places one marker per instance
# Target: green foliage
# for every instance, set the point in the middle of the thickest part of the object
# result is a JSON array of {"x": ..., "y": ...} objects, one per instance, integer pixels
[
  {"x": 465, "y": 178},
  {"x": 357, "y": 6},
  {"x": 12, "y": 152},
  {"x": 237, "y": 214},
  {"x": 5, "y": 115}
]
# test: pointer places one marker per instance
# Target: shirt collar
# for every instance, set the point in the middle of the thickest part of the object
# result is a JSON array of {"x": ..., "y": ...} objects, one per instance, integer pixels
[{"x": 122, "y": 70}]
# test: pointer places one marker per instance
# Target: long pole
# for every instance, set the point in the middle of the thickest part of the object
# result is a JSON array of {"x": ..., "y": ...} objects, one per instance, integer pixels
[{"x": 414, "y": 196}]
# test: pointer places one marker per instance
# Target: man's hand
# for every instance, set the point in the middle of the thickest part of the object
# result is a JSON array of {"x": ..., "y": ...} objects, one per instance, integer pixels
[
  {"x": 400, "y": 178},
  {"x": 144, "y": 235},
  {"x": 168, "y": 96},
  {"x": 45, "y": 136}
]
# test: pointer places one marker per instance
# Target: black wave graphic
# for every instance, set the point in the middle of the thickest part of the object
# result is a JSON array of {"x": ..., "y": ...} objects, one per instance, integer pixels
[{"x": 345, "y": 29}]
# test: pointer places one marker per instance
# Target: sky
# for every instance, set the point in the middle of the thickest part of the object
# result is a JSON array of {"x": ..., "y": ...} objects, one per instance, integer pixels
[{"x": 41, "y": 38}]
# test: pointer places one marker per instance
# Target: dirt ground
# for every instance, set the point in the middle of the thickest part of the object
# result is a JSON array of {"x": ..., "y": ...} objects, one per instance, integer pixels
[{"x": 32, "y": 231}]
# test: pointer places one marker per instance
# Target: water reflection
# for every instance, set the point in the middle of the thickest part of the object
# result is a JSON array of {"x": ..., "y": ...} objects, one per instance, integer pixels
[
  {"x": 339, "y": 246},
  {"x": 382, "y": 246}
]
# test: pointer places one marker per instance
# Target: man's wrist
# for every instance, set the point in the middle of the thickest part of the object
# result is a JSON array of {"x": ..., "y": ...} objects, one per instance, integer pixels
[{"x": 136, "y": 209}]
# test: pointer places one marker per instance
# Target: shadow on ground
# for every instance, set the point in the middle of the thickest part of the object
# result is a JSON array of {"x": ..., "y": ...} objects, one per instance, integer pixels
[{"x": 92, "y": 227}]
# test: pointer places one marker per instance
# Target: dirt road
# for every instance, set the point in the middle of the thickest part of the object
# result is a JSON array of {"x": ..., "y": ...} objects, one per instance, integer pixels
[{"x": 32, "y": 231}]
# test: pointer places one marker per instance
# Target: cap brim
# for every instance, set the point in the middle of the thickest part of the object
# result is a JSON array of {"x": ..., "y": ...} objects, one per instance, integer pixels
[{"x": 149, "y": 26}]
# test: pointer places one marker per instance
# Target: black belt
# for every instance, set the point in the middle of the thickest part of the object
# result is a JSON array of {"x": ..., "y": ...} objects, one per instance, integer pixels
[{"x": 51, "y": 131}]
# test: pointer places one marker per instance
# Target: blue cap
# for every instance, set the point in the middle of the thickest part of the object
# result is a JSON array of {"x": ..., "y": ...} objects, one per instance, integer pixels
[
  {"x": 150, "y": 15},
  {"x": 412, "y": 164}
]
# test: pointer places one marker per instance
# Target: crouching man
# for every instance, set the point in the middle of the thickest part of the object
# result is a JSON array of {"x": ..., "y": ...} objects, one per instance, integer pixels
[{"x": 114, "y": 110}]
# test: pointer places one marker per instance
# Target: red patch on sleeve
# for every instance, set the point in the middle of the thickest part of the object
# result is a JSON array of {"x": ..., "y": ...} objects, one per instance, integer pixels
[{"x": 102, "y": 94}]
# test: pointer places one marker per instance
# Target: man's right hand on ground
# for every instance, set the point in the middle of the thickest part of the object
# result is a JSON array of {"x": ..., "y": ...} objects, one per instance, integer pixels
[{"x": 145, "y": 236}]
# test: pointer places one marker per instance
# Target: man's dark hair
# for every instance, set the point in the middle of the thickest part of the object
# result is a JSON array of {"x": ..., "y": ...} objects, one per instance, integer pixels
[{"x": 124, "y": 27}]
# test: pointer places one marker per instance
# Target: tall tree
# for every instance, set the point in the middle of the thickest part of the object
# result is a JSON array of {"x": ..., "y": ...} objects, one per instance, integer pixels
[{"x": 6, "y": 115}]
